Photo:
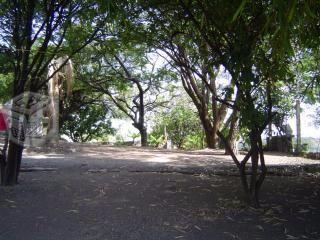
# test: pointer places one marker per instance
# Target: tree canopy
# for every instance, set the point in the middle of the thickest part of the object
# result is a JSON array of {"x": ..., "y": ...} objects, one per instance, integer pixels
[{"x": 242, "y": 64}]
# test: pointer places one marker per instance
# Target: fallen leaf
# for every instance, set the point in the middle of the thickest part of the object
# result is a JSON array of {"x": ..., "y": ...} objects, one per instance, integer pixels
[
  {"x": 303, "y": 211},
  {"x": 73, "y": 211},
  {"x": 231, "y": 235},
  {"x": 260, "y": 227},
  {"x": 197, "y": 227},
  {"x": 290, "y": 237}
]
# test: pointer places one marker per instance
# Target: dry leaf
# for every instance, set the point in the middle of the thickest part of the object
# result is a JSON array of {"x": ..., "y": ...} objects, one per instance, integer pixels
[{"x": 197, "y": 227}]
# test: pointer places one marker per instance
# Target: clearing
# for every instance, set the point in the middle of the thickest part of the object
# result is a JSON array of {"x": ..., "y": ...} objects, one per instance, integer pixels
[{"x": 91, "y": 191}]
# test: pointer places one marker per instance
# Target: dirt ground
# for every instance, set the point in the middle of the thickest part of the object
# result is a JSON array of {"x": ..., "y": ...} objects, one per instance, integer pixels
[{"x": 101, "y": 192}]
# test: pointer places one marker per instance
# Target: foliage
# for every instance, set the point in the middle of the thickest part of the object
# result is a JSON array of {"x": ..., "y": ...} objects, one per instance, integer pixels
[
  {"x": 32, "y": 34},
  {"x": 189, "y": 55},
  {"x": 88, "y": 123},
  {"x": 6, "y": 81},
  {"x": 316, "y": 117},
  {"x": 129, "y": 77},
  {"x": 194, "y": 141},
  {"x": 155, "y": 139},
  {"x": 182, "y": 126}
]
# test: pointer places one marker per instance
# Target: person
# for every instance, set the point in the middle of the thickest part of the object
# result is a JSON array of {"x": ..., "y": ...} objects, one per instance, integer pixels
[
  {"x": 3, "y": 141},
  {"x": 3, "y": 121}
]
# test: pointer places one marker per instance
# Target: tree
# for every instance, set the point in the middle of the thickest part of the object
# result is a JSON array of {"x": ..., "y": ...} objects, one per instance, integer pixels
[
  {"x": 130, "y": 77},
  {"x": 34, "y": 32},
  {"x": 180, "y": 123},
  {"x": 305, "y": 68},
  {"x": 5, "y": 87},
  {"x": 84, "y": 115},
  {"x": 6, "y": 76},
  {"x": 87, "y": 123},
  {"x": 241, "y": 43},
  {"x": 317, "y": 117},
  {"x": 189, "y": 55}
]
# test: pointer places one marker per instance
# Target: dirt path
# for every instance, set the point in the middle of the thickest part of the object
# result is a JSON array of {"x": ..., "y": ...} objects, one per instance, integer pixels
[{"x": 129, "y": 193}]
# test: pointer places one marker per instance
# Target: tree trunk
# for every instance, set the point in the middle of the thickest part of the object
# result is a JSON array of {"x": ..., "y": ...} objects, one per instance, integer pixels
[
  {"x": 269, "y": 136},
  {"x": 53, "y": 125},
  {"x": 2, "y": 166},
  {"x": 13, "y": 164},
  {"x": 3, "y": 158},
  {"x": 144, "y": 137},
  {"x": 211, "y": 138},
  {"x": 16, "y": 136},
  {"x": 298, "y": 123},
  {"x": 254, "y": 192},
  {"x": 232, "y": 135},
  {"x": 233, "y": 144},
  {"x": 253, "y": 189}
]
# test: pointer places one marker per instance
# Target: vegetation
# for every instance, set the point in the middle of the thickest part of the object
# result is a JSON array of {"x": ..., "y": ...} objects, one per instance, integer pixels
[
  {"x": 181, "y": 125},
  {"x": 87, "y": 123},
  {"x": 243, "y": 65}
]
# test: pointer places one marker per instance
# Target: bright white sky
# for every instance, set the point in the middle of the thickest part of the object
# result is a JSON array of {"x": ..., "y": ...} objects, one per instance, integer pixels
[{"x": 307, "y": 127}]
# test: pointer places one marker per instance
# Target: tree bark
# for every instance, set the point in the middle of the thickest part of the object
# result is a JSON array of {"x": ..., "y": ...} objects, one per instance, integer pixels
[
  {"x": 2, "y": 166},
  {"x": 251, "y": 188},
  {"x": 13, "y": 164},
  {"x": 298, "y": 125},
  {"x": 232, "y": 135},
  {"x": 144, "y": 137},
  {"x": 3, "y": 158},
  {"x": 211, "y": 139}
]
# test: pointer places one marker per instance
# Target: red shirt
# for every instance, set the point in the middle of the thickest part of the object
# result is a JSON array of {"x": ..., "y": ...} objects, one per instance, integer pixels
[{"x": 3, "y": 123}]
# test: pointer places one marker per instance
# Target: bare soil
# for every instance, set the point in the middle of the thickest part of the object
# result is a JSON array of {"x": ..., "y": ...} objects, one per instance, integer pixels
[{"x": 85, "y": 191}]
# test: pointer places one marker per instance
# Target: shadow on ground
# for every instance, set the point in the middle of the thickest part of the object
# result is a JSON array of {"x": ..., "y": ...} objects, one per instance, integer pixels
[{"x": 129, "y": 193}]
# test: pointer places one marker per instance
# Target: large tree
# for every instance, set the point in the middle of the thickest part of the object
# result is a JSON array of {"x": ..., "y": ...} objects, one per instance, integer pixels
[
  {"x": 130, "y": 78},
  {"x": 242, "y": 44},
  {"x": 189, "y": 55},
  {"x": 35, "y": 32}
]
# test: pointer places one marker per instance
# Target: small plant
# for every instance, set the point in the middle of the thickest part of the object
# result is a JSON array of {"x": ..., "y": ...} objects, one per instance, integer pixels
[{"x": 154, "y": 140}]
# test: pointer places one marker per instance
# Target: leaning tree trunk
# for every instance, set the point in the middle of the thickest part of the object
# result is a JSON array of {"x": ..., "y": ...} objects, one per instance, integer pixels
[{"x": 232, "y": 135}]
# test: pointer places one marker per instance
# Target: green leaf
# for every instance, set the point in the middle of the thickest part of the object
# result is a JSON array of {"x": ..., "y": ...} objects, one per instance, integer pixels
[{"x": 239, "y": 10}]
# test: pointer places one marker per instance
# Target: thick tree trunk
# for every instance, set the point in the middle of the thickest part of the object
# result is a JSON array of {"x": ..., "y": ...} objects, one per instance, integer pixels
[
  {"x": 211, "y": 139},
  {"x": 16, "y": 136},
  {"x": 144, "y": 137},
  {"x": 13, "y": 164}
]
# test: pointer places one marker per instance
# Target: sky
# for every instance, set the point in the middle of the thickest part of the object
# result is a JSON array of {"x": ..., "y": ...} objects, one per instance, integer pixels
[{"x": 307, "y": 127}]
